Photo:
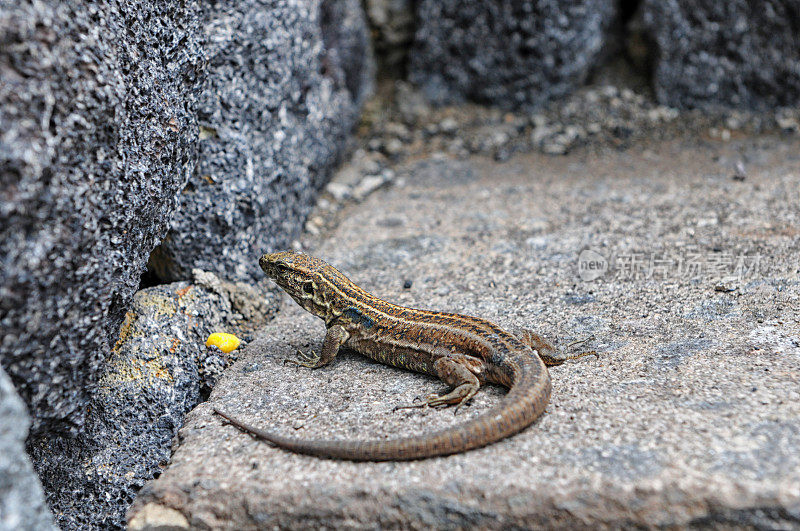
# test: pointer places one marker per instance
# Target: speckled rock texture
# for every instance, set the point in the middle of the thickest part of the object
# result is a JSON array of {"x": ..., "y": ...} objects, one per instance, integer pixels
[
  {"x": 286, "y": 82},
  {"x": 511, "y": 53},
  {"x": 738, "y": 53},
  {"x": 97, "y": 137},
  {"x": 691, "y": 416},
  {"x": 22, "y": 505},
  {"x": 159, "y": 369}
]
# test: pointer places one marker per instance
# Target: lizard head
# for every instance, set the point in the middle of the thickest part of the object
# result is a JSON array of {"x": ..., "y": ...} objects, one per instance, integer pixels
[{"x": 301, "y": 276}]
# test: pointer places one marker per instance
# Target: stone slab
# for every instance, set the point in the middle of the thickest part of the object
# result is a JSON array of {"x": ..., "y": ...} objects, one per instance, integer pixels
[{"x": 691, "y": 416}]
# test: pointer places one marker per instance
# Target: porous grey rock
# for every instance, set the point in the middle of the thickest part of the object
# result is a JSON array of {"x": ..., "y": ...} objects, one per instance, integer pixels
[
  {"x": 159, "y": 369},
  {"x": 97, "y": 136},
  {"x": 690, "y": 417},
  {"x": 511, "y": 53},
  {"x": 285, "y": 86},
  {"x": 22, "y": 505},
  {"x": 737, "y": 53}
]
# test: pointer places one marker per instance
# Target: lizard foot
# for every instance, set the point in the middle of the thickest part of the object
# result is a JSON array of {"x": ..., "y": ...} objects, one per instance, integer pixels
[
  {"x": 458, "y": 397},
  {"x": 564, "y": 357},
  {"x": 551, "y": 355},
  {"x": 417, "y": 403},
  {"x": 306, "y": 360}
]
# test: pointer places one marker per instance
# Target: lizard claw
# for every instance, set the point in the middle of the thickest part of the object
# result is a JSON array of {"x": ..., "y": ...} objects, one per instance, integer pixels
[
  {"x": 580, "y": 341},
  {"x": 433, "y": 400},
  {"x": 458, "y": 406},
  {"x": 417, "y": 403},
  {"x": 586, "y": 353}
]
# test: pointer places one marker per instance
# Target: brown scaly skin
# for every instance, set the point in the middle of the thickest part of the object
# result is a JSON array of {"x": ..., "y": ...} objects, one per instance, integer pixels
[{"x": 462, "y": 351}]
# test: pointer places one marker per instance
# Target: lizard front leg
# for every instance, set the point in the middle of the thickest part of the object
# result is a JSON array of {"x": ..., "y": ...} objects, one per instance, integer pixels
[{"x": 335, "y": 337}]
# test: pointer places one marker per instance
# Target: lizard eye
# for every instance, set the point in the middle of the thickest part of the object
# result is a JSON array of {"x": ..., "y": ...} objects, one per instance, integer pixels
[
  {"x": 282, "y": 268},
  {"x": 308, "y": 287}
]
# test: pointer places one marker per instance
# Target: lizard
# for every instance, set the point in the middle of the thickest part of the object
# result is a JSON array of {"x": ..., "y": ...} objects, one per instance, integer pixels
[{"x": 464, "y": 352}]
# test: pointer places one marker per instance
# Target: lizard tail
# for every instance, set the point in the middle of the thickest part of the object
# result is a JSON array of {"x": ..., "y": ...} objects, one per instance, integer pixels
[{"x": 523, "y": 404}]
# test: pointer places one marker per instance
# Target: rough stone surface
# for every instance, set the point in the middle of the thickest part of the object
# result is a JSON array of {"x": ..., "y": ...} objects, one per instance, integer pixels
[
  {"x": 737, "y": 53},
  {"x": 510, "y": 53},
  {"x": 22, "y": 505},
  {"x": 286, "y": 81},
  {"x": 159, "y": 369},
  {"x": 97, "y": 136},
  {"x": 689, "y": 417}
]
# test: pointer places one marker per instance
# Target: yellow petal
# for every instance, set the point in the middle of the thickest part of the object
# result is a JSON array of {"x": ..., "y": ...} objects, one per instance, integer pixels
[{"x": 225, "y": 342}]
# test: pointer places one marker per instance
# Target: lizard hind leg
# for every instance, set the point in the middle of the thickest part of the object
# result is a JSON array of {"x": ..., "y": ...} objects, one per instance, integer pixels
[
  {"x": 551, "y": 355},
  {"x": 457, "y": 372}
]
